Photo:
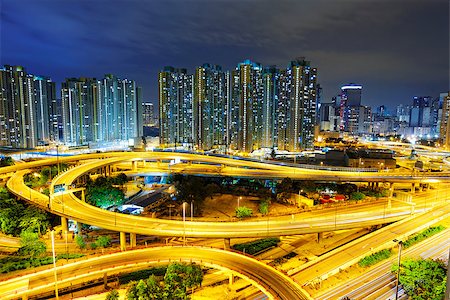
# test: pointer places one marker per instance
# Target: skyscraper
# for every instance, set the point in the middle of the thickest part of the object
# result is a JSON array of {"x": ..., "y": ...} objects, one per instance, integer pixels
[
  {"x": 99, "y": 110},
  {"x": 175, "y": 107},
  {"x": 210, "y": 107},
  {"x": 445, "y": 120},
  {"x": 251, "y": 108},
  {"x": 353, "y": 116},
  {"x": 25, "y": 102},
  {"x": 148, "y": 114}
]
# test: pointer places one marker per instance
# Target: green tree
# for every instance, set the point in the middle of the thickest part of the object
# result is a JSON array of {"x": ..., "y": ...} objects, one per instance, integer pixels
[
  {"x": 10, "y": 214},
  {"x": 131, "y": 293},
  {"x": 79, "y": 240},
  {"x": 6, "y": 161},
  {"x": 103, "y": 241},
  {"x": 31, "y": 245},
  {"x": 142, "y": 290},
  {"x": 422, "y": 279},
  {"x": 154, "y": 288},
  {"x": 112, "y": 295},
  {"x": 35, "y": 220},
  {"x": 357, "y": 196},
  {"x": 264, "y": 206},
  {"x": 243, "y": 212},
  {"x": 179, "y": 277}
]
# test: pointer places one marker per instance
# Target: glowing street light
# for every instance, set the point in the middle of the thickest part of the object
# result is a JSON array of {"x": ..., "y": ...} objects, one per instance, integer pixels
[{"x": 184, "y": 223}]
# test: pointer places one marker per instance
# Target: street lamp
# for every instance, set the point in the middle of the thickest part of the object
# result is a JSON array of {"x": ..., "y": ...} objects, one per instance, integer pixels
[
  {"x": 192, "y": 210},
  {"x": 400, "y": 243},
  {"x": 184, "y": 223},
  {"x": 239, "y": 200},
  {"x": 54, "y": 264}
]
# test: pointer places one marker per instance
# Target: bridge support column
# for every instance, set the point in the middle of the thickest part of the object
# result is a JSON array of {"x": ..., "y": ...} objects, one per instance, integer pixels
[
  {"x": 226, "y": 244},
  {"x": 79, "y": 228},
  {"x": 132, "y": 239},
  {"x": 105, "y": 280},
  {"x": 230, "y": 279},
  {"x": 377, "y": 184},
  {"x": 24, "y": 297},
  {"x": 319, "y": 237},
  {"x": 391, "y": 190},
  {"x": 413, "y": 187},
  {"x": 83, "y": 196},
  {"x": 64, "y": 224},
  {"x": 123, "y": 241},
  {"x": 134, "y": 165}
]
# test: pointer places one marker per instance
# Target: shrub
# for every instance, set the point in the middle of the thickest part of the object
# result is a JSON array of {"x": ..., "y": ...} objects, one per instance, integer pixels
[
  {"x": 243, "y": 212},
  {"x": 422, "y": 235},
  {"x": 256, "y": 246},
  {"x": 112, "y": 295},
  {"x": 264, "y": 207},
  {"x": 357, "y": 196},
  {"x": 375, "y": 258}
]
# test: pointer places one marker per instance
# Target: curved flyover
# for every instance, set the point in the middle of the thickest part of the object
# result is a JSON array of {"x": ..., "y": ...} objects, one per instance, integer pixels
[
  {"x": 272, "y": 282},
  {"x": 68, "y": 205}
]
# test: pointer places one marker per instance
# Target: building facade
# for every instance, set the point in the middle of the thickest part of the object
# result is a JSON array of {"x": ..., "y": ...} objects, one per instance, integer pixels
[{"x": 26, "y": 106}]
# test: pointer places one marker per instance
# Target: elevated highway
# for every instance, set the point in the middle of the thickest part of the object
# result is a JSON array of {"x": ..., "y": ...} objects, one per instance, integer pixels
[{"x": 272, "y": 282}]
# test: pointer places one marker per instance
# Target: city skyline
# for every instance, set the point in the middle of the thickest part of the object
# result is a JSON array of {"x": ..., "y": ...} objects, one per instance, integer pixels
[{"x": 395, "y": 51}]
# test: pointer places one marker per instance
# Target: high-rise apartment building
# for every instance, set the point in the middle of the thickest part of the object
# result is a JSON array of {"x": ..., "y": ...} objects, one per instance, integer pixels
[
  {"x": 250, "y": 108},
  {"x": 99, "y": 110},
  {"x": 26, "y": 103},
  {"x": 246, "y": 107},
  {"x": 445, "y": 120},
  {"x": 175, "y": 107},
  {"x": 148, "y": 114},
  {"x": 210, "y": 107},
  {"x": 349, "y": 107}
]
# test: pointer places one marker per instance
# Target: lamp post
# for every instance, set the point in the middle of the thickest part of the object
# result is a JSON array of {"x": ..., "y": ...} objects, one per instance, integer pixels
[
  {"x": 54, "y": 264},
  {"x": 239, "y": 200},
  {"x": 184, "y": 223},
  {"x": 192, "y": 210},
  {"x": 400, "y": 243}
]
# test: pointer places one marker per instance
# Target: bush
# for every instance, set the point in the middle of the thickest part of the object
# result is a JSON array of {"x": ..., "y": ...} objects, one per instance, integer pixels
[
  {"x": 422, "y": 235},
  {"x": 137, "y": 275},
  {"x": 103, "y": 241},
  {"x": 264, "y": 207},
  {"x": 112, "y": 295},
  {"x": 243, "y": 212},
  {"x": 79, "y": 240},
  {"x": 375, "y": 258},
  {"x": 357, "y": 196},
  {"x": 257, "y": 246}
]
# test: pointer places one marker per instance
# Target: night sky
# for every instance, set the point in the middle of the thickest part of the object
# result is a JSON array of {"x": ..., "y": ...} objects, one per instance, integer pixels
[{"x": 396, "y": 49}]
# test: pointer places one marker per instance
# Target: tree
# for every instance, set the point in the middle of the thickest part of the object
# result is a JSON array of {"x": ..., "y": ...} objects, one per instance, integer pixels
[
  {"x": 6, "y": 161},
  {"x": 30, "y": 245},
  {"x": 79, "y": 240},
  {"x": 132, "y": 291},
  {"x": 142, "y": 290},
  {"x": 243, "y": 212},
  {"x": 264, "y": 206},
  {"x": 112, "y": 295},
  {"x": 357, "y": 196},
  {"x": 422, "y": 278},
  {"x": 154, "y": 288},
  {"x": 179, "y": 277},
  {"x": 35, "y": 220},
  {"x": 10, "y": 214},
  {"x": 103, "y": 241}
]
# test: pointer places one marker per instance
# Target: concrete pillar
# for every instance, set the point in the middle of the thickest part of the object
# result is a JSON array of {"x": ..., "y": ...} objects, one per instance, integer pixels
[
  {"x": 319, "y": 237},
  {"x": 83, "y": 196},
  {"x": 376, "y": 184},
  {"x": 24, "y": 297},
  {"x": 230, "y": 279},
  {"x": 64, "y": 224},
  {"x": 79, "y": 228},
  {"x": 226, "y": 244},
  {"x": 109, "y": 170},
  {"x": 413, "y": 187},
  {"x": 123, "y": 241},
  {"x": 105, "y": 280},
  {"x": 133, "y": 165},
  {"x": 391, "y": 190},
  {"x": 132, "y": 240}
]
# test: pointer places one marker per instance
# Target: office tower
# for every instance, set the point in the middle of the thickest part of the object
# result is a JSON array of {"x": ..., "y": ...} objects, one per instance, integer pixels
[
  {"x": 25, "y": 102},
  {"x": 350, "y": 109},
  {"x": 420, "y": 113},
  {"x": 99, "y": 110},
  {"x": 445, "y": 120},
  {"x": 246, "y": 107},
  {"x": 403, "y": 113},
  {"x": 210, "y": 103},
  {"x": 148, "y": 114},
  {"x": 175, "y": 107}
]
